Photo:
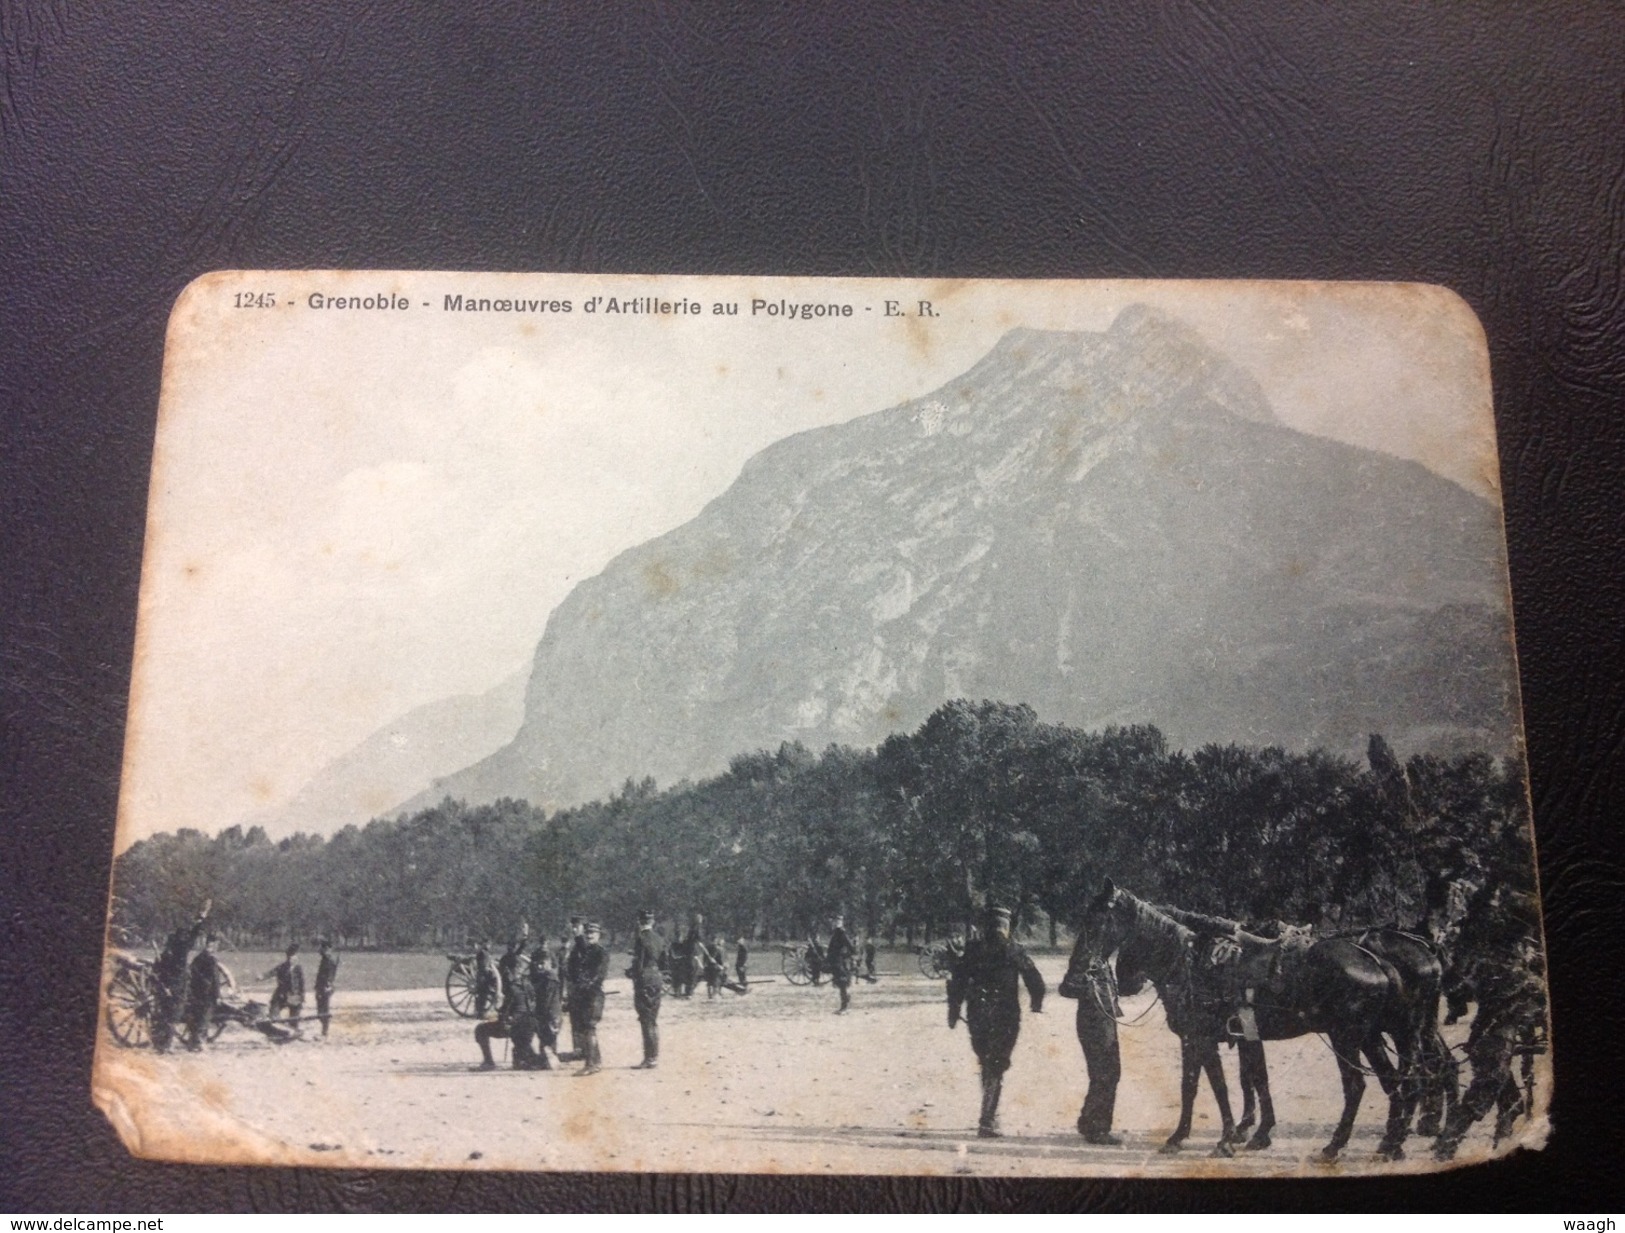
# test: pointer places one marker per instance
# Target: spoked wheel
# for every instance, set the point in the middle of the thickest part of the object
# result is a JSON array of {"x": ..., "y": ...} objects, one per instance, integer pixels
[
  {"x": 931, "y": 963},
  {"x": 131, "y": 1006},
  {"x": 460, "y": 984},
  {"x": 794, "y": 966}
]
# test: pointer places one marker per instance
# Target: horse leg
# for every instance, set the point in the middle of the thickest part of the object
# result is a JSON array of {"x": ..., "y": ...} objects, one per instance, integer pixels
[
  {"x": 1214, "y": 1065},
  {"x": 1256, "y": 1073},
  {"x": 1190, "y": 1067},
  {"x": 1400, "y": 1087},
  {"x": 1347, "y": 1050}
]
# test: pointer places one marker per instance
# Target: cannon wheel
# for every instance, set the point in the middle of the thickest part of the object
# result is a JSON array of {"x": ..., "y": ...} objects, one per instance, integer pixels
[
  {"x": 131, "y": 1005},
  {"x": 794, "y": 965},
  {"x": 460, "y": 981},
  {"x": 931, "y": 963}
]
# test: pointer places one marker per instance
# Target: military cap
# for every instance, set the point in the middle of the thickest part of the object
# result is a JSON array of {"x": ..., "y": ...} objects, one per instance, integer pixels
[
  {"x": 645, "y": 918},
  {"x": 999, "y": 914}
]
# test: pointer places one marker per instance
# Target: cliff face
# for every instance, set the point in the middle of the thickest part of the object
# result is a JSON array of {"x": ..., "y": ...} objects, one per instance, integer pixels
[{"x": 1111, "y": 527}]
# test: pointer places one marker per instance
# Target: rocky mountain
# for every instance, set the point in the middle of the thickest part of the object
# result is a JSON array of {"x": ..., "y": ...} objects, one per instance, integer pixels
[
  {"x": 400, "y": 759},
  {"x": 1112, "y": 527}
]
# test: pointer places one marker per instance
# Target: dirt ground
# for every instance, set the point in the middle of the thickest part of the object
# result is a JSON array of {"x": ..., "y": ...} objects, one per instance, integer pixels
[{"x": 771, "y": 1082}]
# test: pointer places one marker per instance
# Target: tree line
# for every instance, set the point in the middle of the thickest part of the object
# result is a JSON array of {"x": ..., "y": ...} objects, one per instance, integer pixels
[{"x": 983, "y": 802}]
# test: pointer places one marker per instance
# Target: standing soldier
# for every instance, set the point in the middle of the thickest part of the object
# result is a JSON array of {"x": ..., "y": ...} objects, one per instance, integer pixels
[
  {"x": 572, "y": 958},
  {"x": 648, "y": 958},
  {"x": 742, "y": 965},
  {"x": 289, "y": 994},
  {"x": 327, "y": 974},
  {"x": 589, "y": 967},
  {"x": 1094, "y": 984},
  {"x": 206, "y": 980},
  {"x": 840, "y": 956},
  {"x": 1511, "y": 1017},
  {"x": 170, "y": 978},
  {"x": 547, "y": 998},
  {"x": 986, "y": 982},
  {"x": 869, "y": 973}
]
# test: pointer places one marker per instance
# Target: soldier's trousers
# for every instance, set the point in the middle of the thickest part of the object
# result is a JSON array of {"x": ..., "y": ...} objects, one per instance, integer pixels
[
  {"x": 324, "y": 1007},
  {"x": 1098, "y": 1036},
  {"x": 485, "y": 1033},
  {"x": 522, "y": 1034},
  {"x": 165, "y": 1010},
  {"x": 586, "y": 1009},
  {"x": 994, "y": 1039},
  {"x": 843, "y": 985},
  {"x": 646, "y": 1001}
]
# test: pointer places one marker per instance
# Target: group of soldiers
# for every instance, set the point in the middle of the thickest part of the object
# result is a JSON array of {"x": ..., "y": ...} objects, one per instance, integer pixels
[
  {"x": 194, "y": 990},
  {"x": 525, "y": 998}
]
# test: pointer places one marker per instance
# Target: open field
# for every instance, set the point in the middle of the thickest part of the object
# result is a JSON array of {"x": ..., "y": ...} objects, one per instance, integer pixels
[{"x": 770, "y": 1082}]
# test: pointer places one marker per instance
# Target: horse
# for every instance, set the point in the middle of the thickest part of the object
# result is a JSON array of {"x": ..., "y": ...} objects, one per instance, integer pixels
[
  {"x": 1421, "y": 976},
  {"x": 1334, "y": 987}
]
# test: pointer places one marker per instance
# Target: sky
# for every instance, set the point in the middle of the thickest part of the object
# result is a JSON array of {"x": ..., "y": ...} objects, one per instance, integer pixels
[{"x": 356, "y": 511}]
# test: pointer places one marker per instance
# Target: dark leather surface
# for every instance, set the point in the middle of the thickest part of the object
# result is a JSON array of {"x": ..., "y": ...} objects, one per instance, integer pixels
[{"x": 1481, "y": 146}]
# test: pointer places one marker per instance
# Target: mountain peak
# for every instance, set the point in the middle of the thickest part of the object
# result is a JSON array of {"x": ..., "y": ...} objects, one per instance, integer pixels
[{"x": 1145, "y": 362}]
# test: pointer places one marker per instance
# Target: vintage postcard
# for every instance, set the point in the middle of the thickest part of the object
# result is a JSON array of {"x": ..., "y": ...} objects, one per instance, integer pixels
[{"x": 824, "y": 726}]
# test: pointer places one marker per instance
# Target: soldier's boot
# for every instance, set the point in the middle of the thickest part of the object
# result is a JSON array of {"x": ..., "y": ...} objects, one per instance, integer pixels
[
  {"x": 651, "y": 1047},
  {"x": 988, "y": 1126}
]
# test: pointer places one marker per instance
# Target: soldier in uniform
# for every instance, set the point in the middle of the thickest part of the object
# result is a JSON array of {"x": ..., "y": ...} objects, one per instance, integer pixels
[
  {"x": 648, "y": 958},
  {"x": 742, "y": 965},
  {"x": 869, "y": 973},
  {"x": 1094, "y": 984},
  {"x": 572, "y": 957},
  {"x": 840, "y": 956},
  {"x": 289, "y": 994},
  {"x": 589, "y": 967},
  {"x": 546, "y": 999},
  {"x": 327, "y": 974},
  {"x": 1511, "y": 1017},
  {"x": 169, "y": 978},
  {"x": 487, "y": 982},
  {"x": 716, "y": 971},
  {"x": 206, "y": 980},
  {"x": 986, "y": 983},
  {"x": 493, "y": 1004}
]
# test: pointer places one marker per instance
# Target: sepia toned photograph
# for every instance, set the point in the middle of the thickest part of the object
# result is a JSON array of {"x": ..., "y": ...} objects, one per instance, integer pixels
[{"x": 813, "y": 726}]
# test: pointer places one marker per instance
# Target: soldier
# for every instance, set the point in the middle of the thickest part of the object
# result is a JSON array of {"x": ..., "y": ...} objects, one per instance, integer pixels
[
  {"x": 487, "y": 982},
  {"x": 648, "y": 957},
  {"x": 206, "y": 980},
  {"x": 742, "y": 965},
  {"x": 715, "y": 970},
  {"x": 546, "y": 998},
  {"x": 986, "y": 982},
  {"x": 327, "y": 974},
  {"x": 170, "y": 976},
  {"x": 1511, "y": 1017},
  {"x": 869, "y": 973},
  {"x": 493, "y": 1004},
  {"x": 588, "y": 969},
  {"x": 692, "y": 966},
  {"x": 1094, "y": 984},
  {"x": 572, "y": 957},
  {"x": 289, "y": 994},
  {"x": 839, "y": 956}
]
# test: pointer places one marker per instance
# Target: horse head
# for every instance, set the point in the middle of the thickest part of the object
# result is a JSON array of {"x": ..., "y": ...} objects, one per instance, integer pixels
[{"x": 1104, "y": 923}]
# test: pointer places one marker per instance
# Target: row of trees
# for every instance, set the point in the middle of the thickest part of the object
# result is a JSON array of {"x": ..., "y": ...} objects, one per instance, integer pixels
[{"x": 982, "y": 802}]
